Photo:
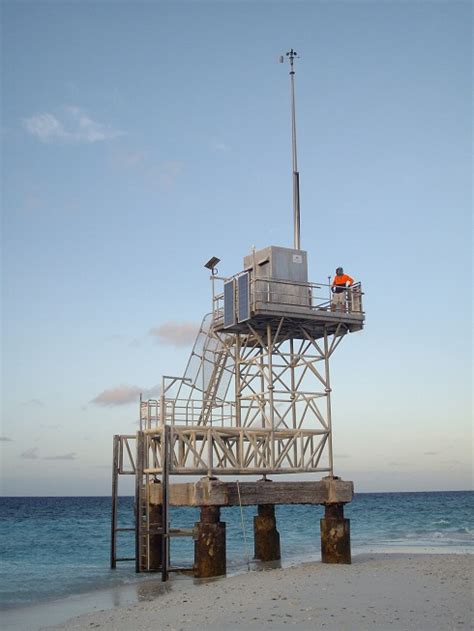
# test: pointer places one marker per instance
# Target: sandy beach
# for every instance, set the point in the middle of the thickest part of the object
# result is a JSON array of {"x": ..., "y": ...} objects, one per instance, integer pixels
[{"x": 378, "y": 591}]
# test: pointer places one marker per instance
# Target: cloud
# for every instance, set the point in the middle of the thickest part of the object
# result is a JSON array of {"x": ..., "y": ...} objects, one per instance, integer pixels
[
  {"x": 72, "y": 125},
  {"x": 34, "y": 403},
  {"x": 431, "y": 453},
  {"x": 31, "y": 204},
  {"x": 175, "y": 333},
  {"x": 45, "y": 127},
  {"x": 128, "y": 159},
  {"x": 5, "y": 439},
  {"x": 169, "y": 173},
  {"x": 219, "y": 146},
  {"x": 165, "y": 174},
  {"x": 123, "y": 394},
  {"x": 69, "y": 456},
  {"x": 30, "y": 454}
]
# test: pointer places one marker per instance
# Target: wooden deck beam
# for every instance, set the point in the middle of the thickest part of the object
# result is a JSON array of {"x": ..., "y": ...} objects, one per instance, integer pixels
[{"x": 212, "y": 492}]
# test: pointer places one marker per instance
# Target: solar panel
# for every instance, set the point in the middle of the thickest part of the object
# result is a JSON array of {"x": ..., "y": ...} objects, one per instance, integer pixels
[
  {"x": 244, "y": 297},
  {"x": 229, "y": 303}
]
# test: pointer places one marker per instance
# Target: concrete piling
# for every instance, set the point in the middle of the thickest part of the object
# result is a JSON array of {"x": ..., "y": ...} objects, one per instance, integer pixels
[
  {"x": 335, "y": 535},
  {"x": 209, "y": 544},
  {"x": 266, "y": 535}
]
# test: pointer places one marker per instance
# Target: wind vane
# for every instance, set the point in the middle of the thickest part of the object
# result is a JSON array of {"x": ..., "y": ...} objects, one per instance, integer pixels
[{"x": 292, "y": 55}]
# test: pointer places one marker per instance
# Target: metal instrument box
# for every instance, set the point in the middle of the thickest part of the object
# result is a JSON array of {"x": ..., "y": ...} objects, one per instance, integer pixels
[
  {"x": 278, "y": 277},
  {"x": 278, "y": 263}
]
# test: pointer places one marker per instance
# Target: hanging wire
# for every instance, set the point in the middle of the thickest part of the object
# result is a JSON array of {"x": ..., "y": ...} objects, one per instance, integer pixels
[{"x": 243, "y": 528}]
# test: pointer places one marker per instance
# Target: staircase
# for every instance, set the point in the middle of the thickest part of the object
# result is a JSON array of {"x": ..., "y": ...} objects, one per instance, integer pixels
[{"x": 210, "y": 395}]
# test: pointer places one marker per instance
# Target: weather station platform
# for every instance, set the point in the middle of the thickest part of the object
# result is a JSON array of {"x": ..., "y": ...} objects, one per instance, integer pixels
[{"x": 274, "y": 289}]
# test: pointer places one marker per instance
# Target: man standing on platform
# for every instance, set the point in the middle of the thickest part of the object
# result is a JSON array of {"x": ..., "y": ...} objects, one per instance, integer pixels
[{"x": 339, "y": 290}]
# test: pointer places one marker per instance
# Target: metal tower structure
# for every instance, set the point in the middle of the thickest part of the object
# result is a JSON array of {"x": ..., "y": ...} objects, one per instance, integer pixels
[{"x": 255, "y": 397}]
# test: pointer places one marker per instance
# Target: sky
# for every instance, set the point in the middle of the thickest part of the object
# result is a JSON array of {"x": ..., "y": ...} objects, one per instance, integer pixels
[{"x": 141, "y": 138}]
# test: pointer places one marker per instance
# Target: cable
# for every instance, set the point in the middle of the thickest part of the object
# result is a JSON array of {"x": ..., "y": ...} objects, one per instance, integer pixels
[{"x": 243, "y": 528}]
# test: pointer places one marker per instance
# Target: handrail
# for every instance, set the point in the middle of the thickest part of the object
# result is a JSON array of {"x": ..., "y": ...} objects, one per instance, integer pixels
[{"x": 313, "y": 296}]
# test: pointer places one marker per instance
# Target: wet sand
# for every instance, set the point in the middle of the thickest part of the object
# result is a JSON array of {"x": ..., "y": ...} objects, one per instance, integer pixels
[{"x": 378, "y": 591}]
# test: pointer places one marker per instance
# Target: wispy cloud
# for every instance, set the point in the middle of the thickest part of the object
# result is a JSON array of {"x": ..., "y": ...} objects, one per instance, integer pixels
[
  {"x": 128, "y": 159},
  {"x": 34, "y": 403},
  {"x": 70, "y": 125},
  {"x": 164, "y": 175},
  {"x": 124, "y": 394},
  {"x": 219, "y": 147},
  {"x": 31, "y": 204},
  {"x": 69, "y": 456},
  {"x": 175, "y": 333},
  {"x": 30, "y": 454},
  {"x": 5, "y": 439},
  {"x": 141, "y": 165}
]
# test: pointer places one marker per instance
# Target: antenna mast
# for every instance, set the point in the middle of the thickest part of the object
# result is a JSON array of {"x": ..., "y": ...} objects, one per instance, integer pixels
[{"x": 292, "y": 55}]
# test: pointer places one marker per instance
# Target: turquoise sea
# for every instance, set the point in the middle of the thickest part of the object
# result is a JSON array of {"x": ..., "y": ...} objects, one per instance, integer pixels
[{"x": 54, "y": 547}]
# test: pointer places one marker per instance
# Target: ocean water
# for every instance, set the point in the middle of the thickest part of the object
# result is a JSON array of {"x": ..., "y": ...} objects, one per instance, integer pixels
[{"x": 53, "y": 547}]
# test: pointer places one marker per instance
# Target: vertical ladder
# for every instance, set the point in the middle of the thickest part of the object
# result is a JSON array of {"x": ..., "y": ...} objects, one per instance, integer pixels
[
  {"x": 143, "y": 526},
  {"x": 117, "y": 469}
]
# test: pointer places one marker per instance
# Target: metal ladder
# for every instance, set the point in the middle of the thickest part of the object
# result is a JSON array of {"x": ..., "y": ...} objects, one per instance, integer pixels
[
  {"x": 121, "y": 449},
  {"x": 143, "y": 527}
]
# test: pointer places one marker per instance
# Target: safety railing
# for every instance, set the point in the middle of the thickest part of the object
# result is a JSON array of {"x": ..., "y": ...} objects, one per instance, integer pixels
[
  {"x": 294, "y": 296},
  {"x": 253, "y": 413},
  {"x": 185, "y": 412}
]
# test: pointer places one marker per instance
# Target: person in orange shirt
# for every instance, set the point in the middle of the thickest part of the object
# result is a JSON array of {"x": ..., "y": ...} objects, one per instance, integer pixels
[{"x": 340, "y": 284}]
